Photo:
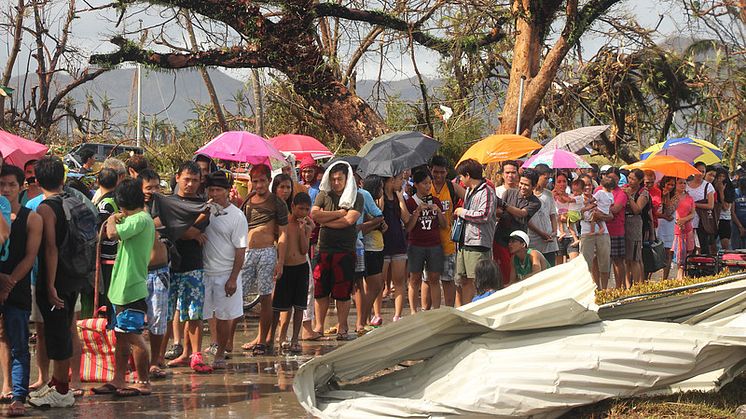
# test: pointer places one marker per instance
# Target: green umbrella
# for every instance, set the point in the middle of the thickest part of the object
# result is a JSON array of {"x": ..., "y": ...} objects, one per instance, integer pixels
[{"x": 392, "y": 135}]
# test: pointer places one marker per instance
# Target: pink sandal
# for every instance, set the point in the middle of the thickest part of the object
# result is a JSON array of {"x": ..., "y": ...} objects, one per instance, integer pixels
[{"x": 198, "y": 364}]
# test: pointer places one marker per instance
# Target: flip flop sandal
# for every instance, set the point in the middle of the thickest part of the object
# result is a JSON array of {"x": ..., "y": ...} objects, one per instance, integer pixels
[
  {"x": 104, "y": 389},
  {"x": 331, "y": 331},
  {"x": 248, "y": 346},
  {"x": 259, "y": 350},
  {"x": 6, "y": 398},
  {"x": 77, "y": 392},
  {"x": 128, "y": 392},
  {"x": 361, "y": 332},
  {"x": 344, "y": 337},
  {"x": 14, "y": 412},
  {"x": 156, "y": 373}
]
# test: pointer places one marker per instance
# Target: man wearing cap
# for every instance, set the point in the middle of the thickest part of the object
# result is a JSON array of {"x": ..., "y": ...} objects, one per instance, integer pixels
[
  {"x": 308, "y": 172},
  {"x": 224, "y": 253},
  {"x": 526, "y": 262}
]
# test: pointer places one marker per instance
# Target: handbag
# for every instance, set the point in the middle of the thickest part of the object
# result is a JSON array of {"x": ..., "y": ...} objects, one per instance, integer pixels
[
  {"x": 708, "y": 221},
  {"x": 457, "y": 228},
  {"x": 653, "y": 255}
]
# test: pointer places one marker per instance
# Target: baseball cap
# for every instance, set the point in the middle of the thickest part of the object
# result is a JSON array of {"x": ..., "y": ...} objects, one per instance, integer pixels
[
  {"x": 605, "y": 167},
  {"x": 521, "y": 235}
]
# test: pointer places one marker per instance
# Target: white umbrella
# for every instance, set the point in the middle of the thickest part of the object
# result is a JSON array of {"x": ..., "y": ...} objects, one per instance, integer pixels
[{"x": 575, "y": 140}]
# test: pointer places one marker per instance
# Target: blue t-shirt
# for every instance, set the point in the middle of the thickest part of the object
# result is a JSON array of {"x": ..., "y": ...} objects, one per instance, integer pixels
[
  {"x": 313, "y": 190},
  {"x": 369, "y": 208},
  {"x": 33, "y": 204}
]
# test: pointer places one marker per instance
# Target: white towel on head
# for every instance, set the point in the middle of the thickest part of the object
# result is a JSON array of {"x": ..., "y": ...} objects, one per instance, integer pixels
[{"x": 347, "y": 200}]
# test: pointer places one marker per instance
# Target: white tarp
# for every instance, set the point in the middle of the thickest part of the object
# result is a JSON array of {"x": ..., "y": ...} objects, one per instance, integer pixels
[{"x": 536, "y": 349}]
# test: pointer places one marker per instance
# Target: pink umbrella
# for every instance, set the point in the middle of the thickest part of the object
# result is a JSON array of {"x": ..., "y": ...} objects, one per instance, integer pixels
[
  {"x": 241, "y": 146},
  {"x": 301, "y": 146},
  {"x": 557, "y": 159},
  {"x": 17, "y": 151}
]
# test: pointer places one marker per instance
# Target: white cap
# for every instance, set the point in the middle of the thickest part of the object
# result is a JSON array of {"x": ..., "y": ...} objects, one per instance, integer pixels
[
  {"x": 521, "y": 235},
  {"x": 605, "y": 168}
]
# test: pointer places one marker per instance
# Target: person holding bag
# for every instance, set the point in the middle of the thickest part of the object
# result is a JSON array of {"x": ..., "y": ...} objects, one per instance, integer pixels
[{"x": 704, "y": 222}]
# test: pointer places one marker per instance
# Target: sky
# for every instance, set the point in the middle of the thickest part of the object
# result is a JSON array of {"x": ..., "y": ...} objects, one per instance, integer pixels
[{"x": 92, "y": 30}]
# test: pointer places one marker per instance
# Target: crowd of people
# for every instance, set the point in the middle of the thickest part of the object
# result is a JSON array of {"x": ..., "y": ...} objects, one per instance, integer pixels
[{"x": 432, "y": 235}]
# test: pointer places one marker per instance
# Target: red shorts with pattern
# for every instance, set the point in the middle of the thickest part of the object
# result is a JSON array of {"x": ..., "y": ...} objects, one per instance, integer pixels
[{"x": 333, "y": 275}]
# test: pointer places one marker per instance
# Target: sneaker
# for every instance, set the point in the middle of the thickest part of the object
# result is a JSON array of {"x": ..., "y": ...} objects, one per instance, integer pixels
[
  {"x": 53, "y": 399},
  {"x": 174, "y": 351},
  {"x": 41, "y": 391},
  {"x": 198, "y": 364},
  {"x": 376, "y": 321},
  {"x": 212, "y": 349}
]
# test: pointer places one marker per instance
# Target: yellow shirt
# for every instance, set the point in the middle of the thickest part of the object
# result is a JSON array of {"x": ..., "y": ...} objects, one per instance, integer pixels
[{"x": 449, "y": 247}]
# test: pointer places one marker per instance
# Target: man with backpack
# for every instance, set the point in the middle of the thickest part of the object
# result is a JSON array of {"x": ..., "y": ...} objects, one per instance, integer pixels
[
  {"x": 107, "y": 206},
  {"x": 449, "y": 194},
  {"x": 66, "y": 260}
]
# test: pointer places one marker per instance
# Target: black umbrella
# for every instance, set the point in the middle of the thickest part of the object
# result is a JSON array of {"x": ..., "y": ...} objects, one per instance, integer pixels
[
  {"x": 354, "y": 161},
  {"x": 397, "y": 153}
]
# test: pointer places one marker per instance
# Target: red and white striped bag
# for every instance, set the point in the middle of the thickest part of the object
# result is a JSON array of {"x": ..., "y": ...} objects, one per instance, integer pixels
[{"x": 97, "y": 350}]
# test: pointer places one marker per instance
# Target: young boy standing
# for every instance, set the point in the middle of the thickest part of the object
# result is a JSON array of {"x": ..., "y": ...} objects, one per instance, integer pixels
[
  {"x": 291, "y": 290},
  {"x": 224, "y": 254},
  {"x": 15, "y": 287},
  {"x": 135, "y": 230}
]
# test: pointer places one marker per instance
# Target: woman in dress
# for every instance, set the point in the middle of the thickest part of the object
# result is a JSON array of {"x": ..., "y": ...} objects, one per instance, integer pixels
[
  {"x": 395, "y": 215},
  {"x": 666, "y": 221},
  {"x": 683, "y": 243}
]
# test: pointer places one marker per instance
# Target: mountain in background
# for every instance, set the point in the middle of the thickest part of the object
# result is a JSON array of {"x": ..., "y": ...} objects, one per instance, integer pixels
[{"x": 171, "y": 95}]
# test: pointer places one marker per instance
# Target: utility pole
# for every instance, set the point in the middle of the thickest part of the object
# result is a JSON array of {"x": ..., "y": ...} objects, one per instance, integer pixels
[{"x": 138, "y": 134}]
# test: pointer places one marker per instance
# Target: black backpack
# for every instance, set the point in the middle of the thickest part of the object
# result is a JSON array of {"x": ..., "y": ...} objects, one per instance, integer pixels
[{"x": 77, "y": 253}]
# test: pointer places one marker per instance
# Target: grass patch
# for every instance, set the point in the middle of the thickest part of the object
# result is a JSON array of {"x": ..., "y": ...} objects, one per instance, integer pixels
[
  {"x": 607, "y": 295},
  {"x": 693, "y": 404}
]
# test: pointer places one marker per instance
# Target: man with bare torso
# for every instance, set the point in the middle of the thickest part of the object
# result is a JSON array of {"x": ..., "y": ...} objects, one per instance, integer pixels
[{"x": 266, "y": 214}]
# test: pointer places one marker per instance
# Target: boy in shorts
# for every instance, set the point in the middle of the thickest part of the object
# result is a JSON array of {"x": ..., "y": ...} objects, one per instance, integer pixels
[
  {"x": 291, "y": 289},
  {"x": 135, "y": 230}
]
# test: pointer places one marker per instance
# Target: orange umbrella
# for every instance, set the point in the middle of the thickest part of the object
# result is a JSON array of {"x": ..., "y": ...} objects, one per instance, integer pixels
[
  {"x": 666, "y": 166},
  {"x": 498, "y": 147}
]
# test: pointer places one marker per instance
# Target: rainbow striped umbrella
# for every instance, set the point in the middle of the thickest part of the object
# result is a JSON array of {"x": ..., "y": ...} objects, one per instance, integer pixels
[{"x": 690, "y": 150}]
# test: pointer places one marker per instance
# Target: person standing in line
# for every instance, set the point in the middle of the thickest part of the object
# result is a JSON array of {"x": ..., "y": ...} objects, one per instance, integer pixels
[
  {"x": 291, "y": 289},
  {"x": 371, "y": 218},
  {"x": 224, "y": 253},
  {"x": 683, "y": 244},
  {"x": 725, "y": 197},
  {"x": 616, "y": 228},
  {"x": 15, "y": 289},
  {"x": 703, "y": 194},
  {"x": 159, "y": 282},
  {"x": 479, "y": 215},
  {"x": 373, "y": 230},
  {"x": 543, "y": 225},
  {"x": 510, "y": 178},
  {"x": 666, "y": 220},
  {"x": 425, "y": 251},
  {"x": 566, "y": 250},
  {"x": 187, "y": 290},
  {"x": 107, "y": 206},
  {"x": 267, "y": 217},
  {"x": 135, "y": 230},
  {"x": 56, "y": 291},
  {"x": 596, "y": 247},
  {"x": 337, "y": 209},
  {"x": 518, "y": 206},
  {"x": 32, "y": 189},
  {"x": 395, "y": 215},
  {"x": 638, "y": 208},
  {"x": 449, "y": 194}
]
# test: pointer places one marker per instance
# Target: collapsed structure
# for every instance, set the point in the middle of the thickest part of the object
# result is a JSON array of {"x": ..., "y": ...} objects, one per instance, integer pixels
[{"x": 538, "y": 348}]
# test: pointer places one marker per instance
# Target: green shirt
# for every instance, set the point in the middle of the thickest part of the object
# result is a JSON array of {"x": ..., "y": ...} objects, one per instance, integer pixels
[{"x": 129, "y": 277}]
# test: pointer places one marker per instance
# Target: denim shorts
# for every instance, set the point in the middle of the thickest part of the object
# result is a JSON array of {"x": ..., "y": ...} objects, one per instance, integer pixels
[{"x": 158, "y": 284}]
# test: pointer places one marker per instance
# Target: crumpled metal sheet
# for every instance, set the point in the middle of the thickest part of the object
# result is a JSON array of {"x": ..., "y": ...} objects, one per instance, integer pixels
[{"x": 535, "y": 349}]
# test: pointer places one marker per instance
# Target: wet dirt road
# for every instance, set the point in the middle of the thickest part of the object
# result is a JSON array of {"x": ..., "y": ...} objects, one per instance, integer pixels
[{"x": 251, "y": 387}]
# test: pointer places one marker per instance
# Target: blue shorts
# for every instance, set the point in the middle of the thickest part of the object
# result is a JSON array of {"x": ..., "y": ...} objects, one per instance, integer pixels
[
  {"x": 129, "y": 318},
  {"x": 158, "y": 284},
  {"x": 187, "y": 294}
]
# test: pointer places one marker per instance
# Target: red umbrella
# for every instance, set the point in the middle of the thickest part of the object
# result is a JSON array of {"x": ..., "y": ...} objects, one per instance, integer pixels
[
  {"x": 301, "y": 146},
  {"x": 17, "y": 150}
]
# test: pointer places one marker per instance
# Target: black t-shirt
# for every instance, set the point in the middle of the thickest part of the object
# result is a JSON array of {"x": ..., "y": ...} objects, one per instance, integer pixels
[
  {"x": 62, "y": 283},
  {"x": 190, "y": 250},
  {"x": 336, "y": 240},
  {"x": 105, "y": 210},
  {"x": 20, "y": 295},
  {"x": 508, "y": 223}
]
